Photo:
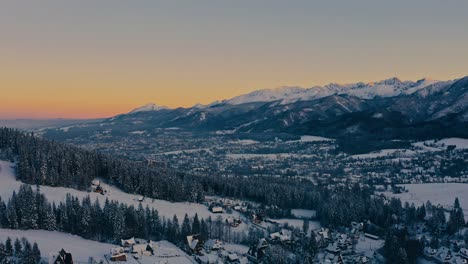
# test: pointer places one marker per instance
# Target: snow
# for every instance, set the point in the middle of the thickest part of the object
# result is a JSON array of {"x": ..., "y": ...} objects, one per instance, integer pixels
[
  {"x": 272, "y": 156},
  {"x": 287, "y": 94},
  {"x": 366, "y": 244},
  {"x": 303, "y": 213},
  {"x": 298, "y": 223},
  {"x": 50, "y": 242},
  {"x": 165, "y": 252},
  {"x": 177, "y": 152},
  {"x": 244, "y": 142},
  {"x": 438, "y": 145},
  {"x": 312, "y": 139},
  {"x": 438, "y": 193},
  {"x": 147, "y": 108},
  {"x": 138, "y": 132},
  {"x": 385, "y": 153},
  {"x": 166, "y": 209},
  {"x": 237, "y": 248}
]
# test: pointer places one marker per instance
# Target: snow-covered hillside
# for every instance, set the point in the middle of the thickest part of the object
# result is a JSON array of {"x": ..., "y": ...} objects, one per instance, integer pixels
[
  {"x": 8, "y": 184},
  {"x": 148, "y": 107},
  {"x": 50, "y": 242},
  {"x": 386, "y": 88},
  {"x": 438, "y": 193}
]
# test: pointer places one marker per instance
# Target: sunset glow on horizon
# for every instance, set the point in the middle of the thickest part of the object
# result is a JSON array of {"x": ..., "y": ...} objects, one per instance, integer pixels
[{"x": 88, "y": 59}]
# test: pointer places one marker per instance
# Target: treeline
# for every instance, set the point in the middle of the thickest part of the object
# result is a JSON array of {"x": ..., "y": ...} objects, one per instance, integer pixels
[
  {"x": 29, "y": 209},
  {"x": 45, "y": 162},
  {"x": 20, "y": 251}
]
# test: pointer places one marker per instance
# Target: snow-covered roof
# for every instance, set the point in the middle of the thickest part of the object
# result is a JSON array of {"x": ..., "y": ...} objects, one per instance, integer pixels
[{"x": 127, "y": 242}]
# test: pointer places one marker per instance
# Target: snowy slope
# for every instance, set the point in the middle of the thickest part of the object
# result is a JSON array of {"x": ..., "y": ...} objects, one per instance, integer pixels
[
  {"x": 8, "y": 184},
  {"x": 50, "y": 242},
  {"x": 147, "y": 108},
  {"x": 438, "y": 193},
  {"x": 386, "y": 88}
]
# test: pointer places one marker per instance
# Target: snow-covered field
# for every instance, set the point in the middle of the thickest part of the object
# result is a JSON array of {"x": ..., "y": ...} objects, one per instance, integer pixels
[
  {"x": 311, "y": 139},
  {"x": 438, "y": 193},
  {"x": 8, "y": 184},
  {"x": 432, "y": 145},
  {"x": 303, "y": 213},
  {"x": 268, "y": 156},
  {"x": 385, "y": 153},
  {"x": 50, "y": 242}
]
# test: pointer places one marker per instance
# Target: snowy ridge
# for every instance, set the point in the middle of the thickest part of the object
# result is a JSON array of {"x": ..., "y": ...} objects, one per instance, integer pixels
[
  {"x": 386, "y": 88},
  {"x": 147, "y": 108}
]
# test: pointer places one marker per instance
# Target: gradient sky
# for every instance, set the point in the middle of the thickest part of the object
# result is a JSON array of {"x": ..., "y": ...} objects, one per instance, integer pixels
[{"x": 91, "y": 58}]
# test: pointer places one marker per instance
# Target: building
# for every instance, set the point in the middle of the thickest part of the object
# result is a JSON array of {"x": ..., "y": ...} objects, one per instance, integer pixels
[
  {"x": 217, "y": 210},
  {"x": 63, "y": 258}
]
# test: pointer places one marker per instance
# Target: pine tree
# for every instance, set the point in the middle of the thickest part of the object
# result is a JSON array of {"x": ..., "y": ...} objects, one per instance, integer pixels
[
  {"x": 36, "y": 253},
  {"x": 196, "y": 225},
  {"x": 18, "y": 248},
  {"x": 185, "y": 229},
  {"x": 8, "y": 247},
  {"x": 305, "y": 226},
  {"x": 2, "y": 252}
]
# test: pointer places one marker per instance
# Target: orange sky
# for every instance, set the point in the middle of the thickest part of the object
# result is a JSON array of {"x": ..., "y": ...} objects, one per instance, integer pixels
[{"x": 97, "y": 59}]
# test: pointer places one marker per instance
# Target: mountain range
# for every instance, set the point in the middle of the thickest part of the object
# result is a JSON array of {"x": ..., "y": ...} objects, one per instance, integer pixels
[{"x": 388, "y": 109}]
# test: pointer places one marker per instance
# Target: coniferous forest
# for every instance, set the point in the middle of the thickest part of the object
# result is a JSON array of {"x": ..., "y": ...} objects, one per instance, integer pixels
[{"x": 43, "y": 162}]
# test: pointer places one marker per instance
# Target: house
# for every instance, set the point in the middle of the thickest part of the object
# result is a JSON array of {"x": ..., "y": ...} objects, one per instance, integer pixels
[
  {"x": 357, "y": 226},
  {"x": 145, "y": 249},
  {"x": 333, "y": 248},
  {"x": 99, "y": 189},
  {"x": 371, "y": 236},
  {"x": 217, "y": 210},
  {"x": 213, "y": 244},
  {"x": 118, "y": 257},
  {"x": 128, "y": 243},
  {"x": 257, "y": 251},
  {"x": 443, "y": 255},
  {"x": 234, "y": 222},
  {"x": 194, "y": 243},
  {"x": 458, "y": 260},
  {"x": 284, "y": 235},
  {"x": 429, "y": 252},
  {"x": 233, "y": 258},
  {"x": 63, "y": 258},
  {"x": 208, "y": 259},
  {"x": 96, "y": 183},
  {"x": 463, "y": 253}
]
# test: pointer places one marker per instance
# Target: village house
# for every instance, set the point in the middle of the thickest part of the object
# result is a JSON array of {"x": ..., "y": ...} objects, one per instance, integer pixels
[
  {"x": 284, "y": 236},
  {"x": 63, "y": 258},
  {"x": 127, "y": 243},
  {"x": 194, "y": 244},
  {"x": 217, "y": 210},
  {"x": 118, "y": 254},
  {"x": 213, "y": 245},
  {"x": 463, "y": 253}
]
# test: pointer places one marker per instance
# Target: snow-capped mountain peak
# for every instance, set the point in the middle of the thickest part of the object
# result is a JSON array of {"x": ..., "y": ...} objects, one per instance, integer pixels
[
  {"x": 147, "y": 108},
  {"x": 385, "y": 88}
]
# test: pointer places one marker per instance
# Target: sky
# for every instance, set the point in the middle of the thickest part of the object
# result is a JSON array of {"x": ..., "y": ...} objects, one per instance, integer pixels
[{"x": 89, "y": 59}]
